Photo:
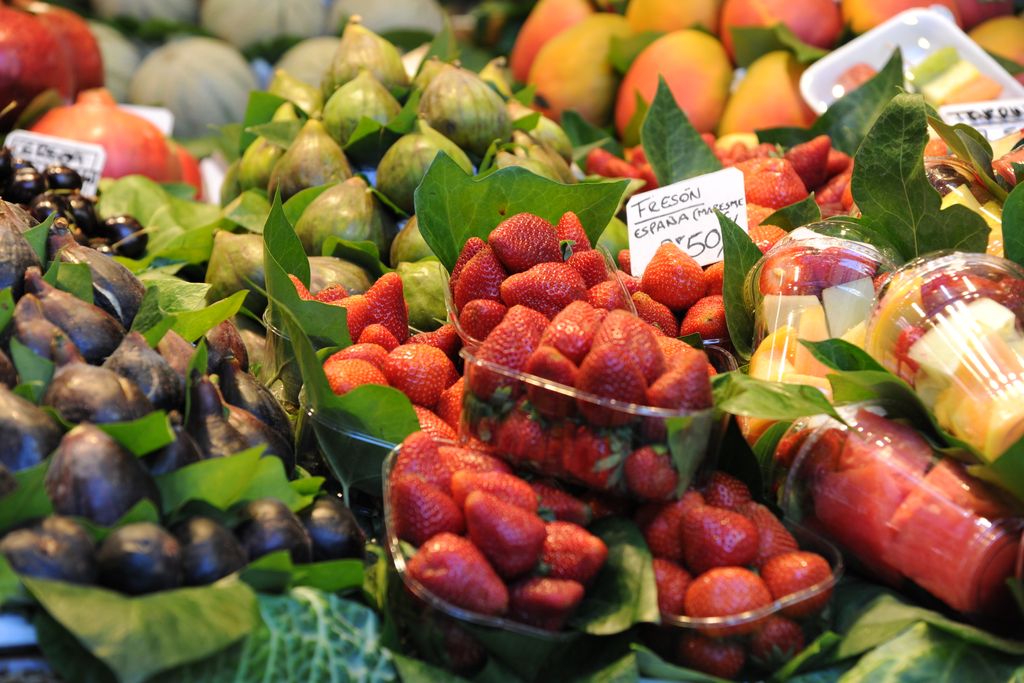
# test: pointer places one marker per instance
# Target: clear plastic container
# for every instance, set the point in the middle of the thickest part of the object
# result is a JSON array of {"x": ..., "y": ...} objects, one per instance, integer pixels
[
  {"x": 956, "y": 182},
  {"x": 876, "y": 488},
  {"x": 952, "y": 325},
  {"x": 280, "y": 373}
]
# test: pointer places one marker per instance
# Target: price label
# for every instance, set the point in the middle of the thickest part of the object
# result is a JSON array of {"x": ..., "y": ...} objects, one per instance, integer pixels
[
  {"x": 160, "y": 117},
  {"x": 995, "y": 119},
  {"x": 42, "y": 150},
  {"x": 684, "y": 214}
]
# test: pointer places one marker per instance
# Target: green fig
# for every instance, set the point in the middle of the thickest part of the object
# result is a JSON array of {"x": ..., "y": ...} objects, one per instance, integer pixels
[
  {"x": 230, "y": 187},
  {"x": 312, "y": 159},
  {"x": 466, "y": 110},
  {"x": 546, "y": 131},
  {"x": 362, "y": 97},
  {"x": 329, "y": 270},
  {"x": 406, "y": 162},
  {"x": 260, "y": 156},
  {"x": 545, "y": 155},
  {"x": 428, "y": 70},
  {"x": 423, "y": 285},
  {"x": 236, "y": 264},
  {"x": 360, "y": 48},
  {"x": 348, "y": 211},
  {"x": 306, "y": 97},
  {"x": 409, "y": 244},
  {"x": 496, "y": 73},
  {"x": 505, "y": 159}
]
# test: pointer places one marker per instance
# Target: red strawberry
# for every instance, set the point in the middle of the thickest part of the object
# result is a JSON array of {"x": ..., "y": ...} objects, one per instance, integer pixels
[
  {"x": 772, "y": 537},
  {"x": 457, "y": 459},
  {"x": 419, "y": 458},
  {"x": 570, "y": 229},
  {"x": 607, "y": 295},
  {"x": 379, "y": 335},
  {"x": 469, "y": 250},
  {"x": 346, "y": 374},
  {"x": 510, "y": 537},
  {"x": 547, "y": 288},
  {"x": 434, "y": 425},
  {"x": 706, "y": 318},
  {"x": 726, "y": 491},
  {"x": 685, "y": 386},
  {"x": 449, "y": 406},
  {"x": 676, "y": 350},
  {"x": 603, "y": 163},
  {"x": 509, "y": 345},
  {"x": 648, "y": 176},
  {"x": 595, "y": 459},
  {"x": 637, "y": 156},
  {"x": 672, "y": 581},
  {"x": 630, "y": 282},
  {"x": 810, "y": 160},
  {"x": 357, "y": 314},
  {"x": 724, "y": 591},
  {"x": 421, "y": 510},
  {"x": 673, "y": 278},
  {"x": 625, "y": 262},
  {"x": 837, "y": 162},
  {"x": 480, "y": 278},
  {"x": 590, "y": 265},
  {"x": 716, "y": 537},
  {"x": 608, "y": 372},
  {"x": 656, "y": 315},
  {"x": 331, "y": 294},
  {"x": 519, "y": 436},
  {"x": 722, "y": 658},
  {"x": 572, "y": 330},
  {"x": 791, "y": 269},
  {"x": 633, "y": 338},
  {"x": 523, "y": 241},
  {"x": 776, "y": 641},
  {"x": 544, "y": 602},
  {"x": 771, "y": 182},
  {"x": 444, "y": 338},
  {"x": 664, "y": 532},
  {"x": 463, "y": 652},
  {"x": 300, "y": 288},
  {"x": 906, "y": 367},
  {"x": 714, "y": 276},
  {"x": 452, "y": 568},
  {"x": 387, "y": 305},
  {"x": 831, "y": 193},
  {"x": 571, "y": 552},
  {"x": 789, "y": 573},
  {"x": 479, "y": 316},
  {"x": 564, "y": 506},
  {"x": 502, "y": 485},
  {"x": 650, "y": 473},
  {"x": 420, "y": 372},
  {"x": 765, "y": 236},
  {"x": 756, "y": 215},
  {"x": 373, "y": 354},
  {"x": 548, "y": 363}
]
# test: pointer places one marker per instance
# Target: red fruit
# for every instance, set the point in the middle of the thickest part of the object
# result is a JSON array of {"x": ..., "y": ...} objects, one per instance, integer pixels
[
  {"x": 564, "y": 506},
  {"x": 837, "y": 162},
  {"x": 547, "y": 288},
  {"x": 420, "y": 510},
  {"x": 633, "y": 338},
  {"x": 379, "y": 335},
  {"x": 357, "y": 310},
  {"x": 603, "y": 163},
  {"x": 726, "y": 491},
  {"x": 771, "y": 182},
  {"x": 706, "y": 318},
  {"x": 519, "y": 436},
  {"x": 656, "y": 315},
  {"x": 510, "y": 537},
  {"x": 789, "y": 573},
  {"x": 449, "y": 406},
  {"x": 420, "y": 372},
  {"x": 479, "y": 316},
  {"x": 765, "y": 236},
  {"x": 331, "y": 294},
  {"x": 502, "y": 485},
  {"x": 388, "y": 307},
  {"x": 672, "y": 581},
  {"x": 523, "y": 241},
  {"x": 590, "y": 265},
  {"x": 756, "y": 215},
  {"x": 569, "y": 229},
  {"x": 675, "y": 349},
  {"x": 673, "y": 278},
  {"x": 630, "y": 282},
  {"x": 664, "y": 533},
  {"x": 444, "y": 338},
  {"x": 571, "y": 552},
  {"x": 609, "y": 372},
  {"x": 480, "y": 278},
  {"x": 650, "y": 473},
  {"x": 457, "y": 459},
  {"x": 434, "y": 425},
  {"x": 419, "y": 457},
  {"x": 810, "y": 160},
  {"x": 344, "y": 375},
  {"x": 469, "y": 250},
  {"x": 371, "y": 353},
  {"x": 831, "y": 193},
  {"x": 906, "y": 367},
  {"x": 772, "y": 537},
  {"x": 722, "y": 658},
  {"x": 724, "y": 591},
  {"x": 509, "y": 345},
  {"x": 625, "y": 262},
  {"x": 452, "y": 568},
  {"x": 791, "y": 269},
  {"x": 685, "y": 386},
  {"x": 776, "y": 641},
  {"x": 594, "y": 459},
  {"x": 463, "y": 652},
  {"x": 544, "y": 602},
  {"x": 716, "y": 537},
  {"x": 548, "y": 363},
  {"x": 607, "y": 295},
  {"x": 714, "y": 276},
  {"x": 34, "y": 61},
  {"x": 300, "y": 289},
  {"x": 572, "y": 330}
]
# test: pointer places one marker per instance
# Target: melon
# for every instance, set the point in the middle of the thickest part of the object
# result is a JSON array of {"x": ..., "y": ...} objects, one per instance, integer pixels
[
  {"x": 204, "y": 81},
  {"x": 180, "y": 11},
  {"x": 382, "y": 17},
  {"x": 245, "y": 24},
  {"x": 120, "y": 58},
  {"x": 308, "y": 60}
]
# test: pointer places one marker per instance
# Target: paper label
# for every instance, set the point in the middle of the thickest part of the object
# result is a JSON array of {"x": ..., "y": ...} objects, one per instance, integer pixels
[
  {"x": 160, "y": 117},
  {"x": 995, "y": 119},
  {"x": 42, "y": 150},
  {"x": 684, "y": 213}
]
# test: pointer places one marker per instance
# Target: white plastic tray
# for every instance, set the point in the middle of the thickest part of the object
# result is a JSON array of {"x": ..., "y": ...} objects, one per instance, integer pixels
[{"x": 918, "y": 33}]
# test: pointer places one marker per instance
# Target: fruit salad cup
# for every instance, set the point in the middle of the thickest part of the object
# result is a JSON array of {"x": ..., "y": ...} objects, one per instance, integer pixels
[
  {"x": 910, "y": 518},
  {"x": 957, "y": 184},
  {"x": 952, "y": 325}
]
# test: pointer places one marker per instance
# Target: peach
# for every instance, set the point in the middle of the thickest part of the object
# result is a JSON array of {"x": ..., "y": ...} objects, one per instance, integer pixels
[
  {"x": 697, "y": 70},
  {"x": 1003, "y": 36},
  {"x": 974, "y": 12},
  {"x": 767, "y": 97},
  {"x": 547, "y": 19},
  {"x": 864, "y": 15},
  {"x": 665, "y": 16},
  {"x": 816, "y": 22},
  {"x": 572, "y": 71}
]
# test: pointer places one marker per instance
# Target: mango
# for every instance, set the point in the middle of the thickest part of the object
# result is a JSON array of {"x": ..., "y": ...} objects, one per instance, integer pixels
[
  {"x": 864, "y": 15},
  {"x": 665, "y": 16},
  {"x": 697, "y": 70},
  {"x": 816, "y": 22},
  {"x": 547, "y": 19},
  {"x": 975, "y": 12},
  {"x": 572, "y": 71},
  {"x": 1003, "y": 36},
  {"x": 767, "y": 97}
]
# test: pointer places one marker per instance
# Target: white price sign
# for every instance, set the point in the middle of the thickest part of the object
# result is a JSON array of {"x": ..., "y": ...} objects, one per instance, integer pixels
[
  {"x": 42, "y": 150},
  {"x": 684, "y": 214},
  {"x": 995, "y": 119}
]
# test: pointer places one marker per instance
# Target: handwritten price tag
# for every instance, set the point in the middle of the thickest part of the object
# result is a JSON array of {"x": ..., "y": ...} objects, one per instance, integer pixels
[
  {"x": 684, "y": 213},
  {"x": 42, "y": 150},
  {"x": 994, "y": 119}
]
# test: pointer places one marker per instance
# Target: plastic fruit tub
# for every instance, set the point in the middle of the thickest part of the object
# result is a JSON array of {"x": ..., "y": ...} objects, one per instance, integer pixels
[
  {"x": 955, "y": 181},
  {"x": 281, "y": 372},
  {"x": 904, "y": 515},
  {"x": 952, "y": 326}
]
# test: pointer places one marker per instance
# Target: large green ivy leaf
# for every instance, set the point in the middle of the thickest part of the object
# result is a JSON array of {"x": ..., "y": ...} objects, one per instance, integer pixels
[
  {"x": 73, "y": 278},
  {"x": 795, "y": 215},
  {"x": 754, "y": 41},
  {"x": 173, "y": 304},
  {"x": 673, "y": 146},
  {"x": 1013, "y": 225},
  {"x": 741, "y": 394},
  {"x": 741, "y": 255},
  {"x": 452, "y": 205}
]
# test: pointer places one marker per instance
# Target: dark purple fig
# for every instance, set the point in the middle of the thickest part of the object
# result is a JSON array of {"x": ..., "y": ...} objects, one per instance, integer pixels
[
  {"x": 257, "y": 433},
  {"x": 87, "y": 393},
  {"x": 25, "y": 184},
  {"x": 44, "y": 204},
  {"x": 60, "y": 177},
  {"x": 212, "y": 431},
  {"x": 6, "y": 168},
  {"x": 334, "y": 530},
  {"x": 32, "y": 329},
  {"x": 83, "y": 213},
  {"x": 268, "y": 526},
  {"x": 56, "y": 548},
  {"x": 28, "y": 433},
  {"x": 140, "y": 558},
  {"x": 135, "y": 360},
  {"x": 16, "y": 254},
  {"x": 127, "y": 238},
  {"x": 241, "y": 389},
  {"x": 208, "y": 551},
  {"x": 183, "y": 451},
  {"x": 222, "y": 342},
  {"x": 176, "y": 351},
  {"x": 8, "y": 373},
  {"x": 95, "y": 332},
  {"x": 16, "y": 216},
  {"x": 92, "y": 476}
]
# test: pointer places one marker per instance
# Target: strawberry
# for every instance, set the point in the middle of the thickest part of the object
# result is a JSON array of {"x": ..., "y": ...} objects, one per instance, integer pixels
[
  {"x": 726, "y": 491},
  {"x": 765, "y": 236},
  {"x": 837, "y": 162},
  {"x": 547, "y": 288},
  {"x": 609, "y": 372},
  {"x": 421, "y": 510},
  {"x": 419, "y": 458},
  {"x": 590, "y": 265},
  {"x": 419, "y": 371},
  {"x": 603, "y": 163},
  {"x": 509, "y": 345},
  {"x": 480, "y": 278},
  {"x": 357, "y": 314},
  {"x": 444, "y": 338},
  {"x": 722, "y": 658},
  {"x": 374, "y": 354},
  {"x": 636, "y": 155},
  {"x": 756, "y": 215},
  {"x": 634, "y": 338},
  {"x": 648, "y": 176},
  {"x": 656, "y": 315},
  {"x": 625, "y": 262},
  {"x": 453, "y": 569},
  {"x": 456, "y": 459},
  {"x": 502, "y": 485},
  {"x": 832, "y": 191},
  {"x": 810, "y": 160},
  {"x": 570, "y": 229},
  {"x": 564, "y": 506},
  {"x": 630, "y": 282},
  {"x": 714, "y": 276},
  {"x": 300, "y": 288},
  {"x": 771, "y": 182},
  {"x": 650, "y": 473},
  {"x": 906, "y": 367},
  {"x": 685, "y": 386},
  {"x": 716, "y": 537},
  {"x": 523, "y": 241},
  {"x": 469, "y": 250},
  {"x": 431, "y": 423},
  {"x": 463, "y": 652},
  {"x": 379, "y": 335},
  {"x": 331, "y": 294},
  {"x": 724, "y": 591},
  {"x": 673, "y": 278},
  {"x": 788, "y": 573},
  {"x": 548, "y": 363},
  {"x": 706, "y": 318},
  {"x": 595, "y": 459},
  {"x": 346, "y": 374},
  {"x": 675, "y": 350},
  {"x": 558, "y": 439},
  {"x": 790, "y": 269},
  {"x": 664, "y": 532},
  {"x": 572, "y": 330},
  {"x": 449, "y": 406},
  {"x": 607, "y": 295},
  {"x": 672, "y": 581},
  {"x": 510, "y": 537},
  {"x": 519, "y": 436},
  {"x": 479, "y": 316},
  {"x": 544, "y": 602},
  {"x": 776, "y": 641},
  {"x": 571, "y": 552},
  {"x": 387, "y": 305}
]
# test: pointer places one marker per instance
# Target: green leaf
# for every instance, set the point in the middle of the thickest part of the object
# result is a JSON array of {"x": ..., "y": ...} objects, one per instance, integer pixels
[
  {"x": 893, "y": 193},
  {"x": 143, "y": 511},
  {"x": 754, "y": 41},
  {"x": 795, "y": 215},
  {"x": 249, "y": 210},
  {"x": 143, "y": 435},
  {"x": 37, "y": 235},
  {"x": 275, "y": 573},
  {"x": 444, "y": 46},
  {"x": 971, "y": 147},
  {"x": 6, "y": 308},
  {"x": 194, "y": 324},
  {"x": 528, "y": 122},
  {"x": 260, "y": 109},
  {"x": 1013, "y": 67},
  {"x": 279, "y": 133},
  {"x": 28, "y": 501},
  {"x": 73, "y": 278},
  {"x": 67, "y": 656},
  {"x": 414, "y": 671},
  {"x": 625, "y": 49},
  {"x": 842, "y": 355},
  {"x": 652, "y": 666},
  {"x": 296, "y": 205},
  {"x": 452, "y": 205},
  {"x": 741, "y": 255},
  {"x": 362, "y": 253},
  {"x": 632, "y": 133},
  {"x": 33, "y": 370},
  {"x": 673, "y": 146},
  {"x": 741, "y": 394},
  {"x": 1013, "y": 225},
  {"x": 582, "y": 134}
]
